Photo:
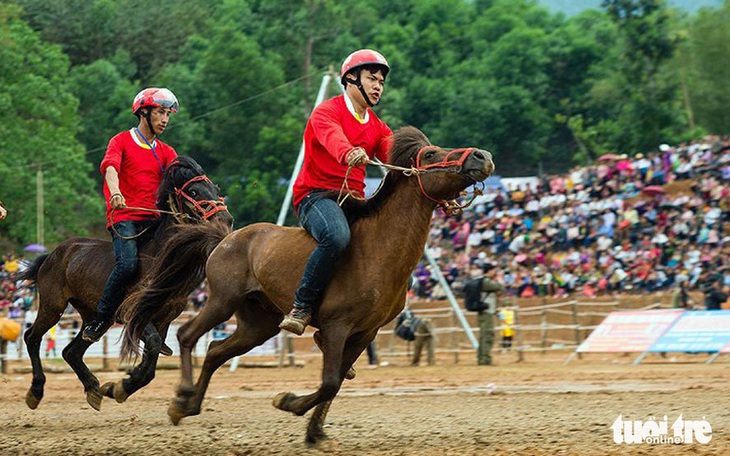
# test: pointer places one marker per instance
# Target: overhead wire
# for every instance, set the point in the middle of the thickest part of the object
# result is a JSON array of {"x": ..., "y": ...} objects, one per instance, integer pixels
[{"x": 178, "y": 124}]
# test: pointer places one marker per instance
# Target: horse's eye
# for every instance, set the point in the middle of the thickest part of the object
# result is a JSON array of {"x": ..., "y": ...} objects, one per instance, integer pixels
[
  {"x": 193, "y": 193},
  {"x": 430, "y": 154}
]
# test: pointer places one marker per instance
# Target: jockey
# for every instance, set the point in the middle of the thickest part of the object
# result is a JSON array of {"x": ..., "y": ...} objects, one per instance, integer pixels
[
  {"x": 341, "y": 133},
  {"x": 132, "y": 167}
]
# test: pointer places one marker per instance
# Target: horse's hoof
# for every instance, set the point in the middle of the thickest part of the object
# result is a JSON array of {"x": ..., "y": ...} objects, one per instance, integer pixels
[
  {"x": 107, "y": 389},
  {"x": 120, "y": 394},
  {"x": 351, "y": 374},
  {"x": 176, "y": 411},
  {"x": 282, "y": 399},
  {"x": 322, "y": 443},
  {"x": 94, "y": 398},
  {"x": 31, "y": 400}
]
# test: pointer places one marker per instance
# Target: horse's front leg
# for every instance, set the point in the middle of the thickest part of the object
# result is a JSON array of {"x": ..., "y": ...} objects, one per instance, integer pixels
[
  {"x": 315, "y": 429},
  {"x": 142, "y": 374},
  {"x": 333, "y": 344}
]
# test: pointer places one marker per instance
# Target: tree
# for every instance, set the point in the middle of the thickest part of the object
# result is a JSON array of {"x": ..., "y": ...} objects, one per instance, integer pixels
[
  {"x": 650, "y": 100},
  {"x": 38, "y": 122},
  {"x": 705, "y": 61}
]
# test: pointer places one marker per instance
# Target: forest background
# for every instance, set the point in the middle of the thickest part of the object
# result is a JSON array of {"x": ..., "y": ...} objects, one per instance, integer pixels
[{"x": 542, "y": 90}]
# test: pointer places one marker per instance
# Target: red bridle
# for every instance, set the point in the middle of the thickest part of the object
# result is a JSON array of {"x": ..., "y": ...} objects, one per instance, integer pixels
[
  {"x": 206, "y": 208},
  {"x": 446, "y": 165}
]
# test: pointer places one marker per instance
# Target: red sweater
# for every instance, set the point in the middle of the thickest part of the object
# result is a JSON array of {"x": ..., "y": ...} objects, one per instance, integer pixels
[
  {"x": 331, "y": 132},
  {"x": 140, "y": 174}
]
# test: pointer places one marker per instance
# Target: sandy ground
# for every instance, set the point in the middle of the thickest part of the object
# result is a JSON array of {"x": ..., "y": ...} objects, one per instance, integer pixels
[{"x": 539, "y": 407}]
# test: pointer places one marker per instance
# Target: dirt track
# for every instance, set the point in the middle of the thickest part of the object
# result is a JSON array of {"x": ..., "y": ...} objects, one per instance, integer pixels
[{"x": 538, "y": 408}]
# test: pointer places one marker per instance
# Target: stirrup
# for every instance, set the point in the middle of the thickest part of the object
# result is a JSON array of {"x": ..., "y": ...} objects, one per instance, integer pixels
[{"x": 296, "y": 321}]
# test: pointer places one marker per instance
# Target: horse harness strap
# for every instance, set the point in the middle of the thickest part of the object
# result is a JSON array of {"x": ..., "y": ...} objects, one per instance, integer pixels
[
  {"x": 451, "y": 207},
  {"x": 211, "y": 206}
]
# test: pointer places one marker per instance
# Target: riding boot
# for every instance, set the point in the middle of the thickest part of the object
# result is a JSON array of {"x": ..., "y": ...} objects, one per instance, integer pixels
[
  {"x": 94, "y": 330},
  {"x": 298, "y": 319}
]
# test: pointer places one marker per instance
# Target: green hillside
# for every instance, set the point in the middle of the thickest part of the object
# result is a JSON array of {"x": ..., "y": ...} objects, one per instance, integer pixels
[{"x": 571, "y": 7}]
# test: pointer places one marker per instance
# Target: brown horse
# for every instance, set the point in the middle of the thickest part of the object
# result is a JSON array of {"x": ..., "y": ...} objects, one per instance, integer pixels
[
  {"x": 76, "y": 271},
  {"x": 253, "y": 273}
]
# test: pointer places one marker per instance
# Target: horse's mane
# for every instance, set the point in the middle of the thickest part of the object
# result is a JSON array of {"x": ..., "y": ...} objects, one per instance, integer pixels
[{"x": 406, "y": 143}]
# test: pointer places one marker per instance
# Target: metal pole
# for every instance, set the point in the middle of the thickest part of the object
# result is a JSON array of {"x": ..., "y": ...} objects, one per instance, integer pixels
[
  {"x": 300, "y": 158},
  {"x": 40, "y": 235},
  {"x": 283, "y": 343},
  {"x": 452, "y": 299}
]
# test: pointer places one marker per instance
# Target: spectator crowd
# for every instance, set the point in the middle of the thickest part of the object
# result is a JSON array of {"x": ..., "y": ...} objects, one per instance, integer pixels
[
  {"x": 635, "y": 224},
  {"x": 622, "y": 225}
]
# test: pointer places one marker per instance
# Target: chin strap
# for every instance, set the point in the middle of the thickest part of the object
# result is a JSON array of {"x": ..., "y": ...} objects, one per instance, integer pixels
[
  {"x": 147, "y": 115},
  {"x": 358, "y": 83}
]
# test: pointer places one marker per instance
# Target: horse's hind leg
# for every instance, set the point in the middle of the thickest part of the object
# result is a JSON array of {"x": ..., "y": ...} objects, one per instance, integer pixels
[
  {"x": 255, "y": 326},
  {"x": 74, "y": 356},
  {"x": 33, "y": 338}
]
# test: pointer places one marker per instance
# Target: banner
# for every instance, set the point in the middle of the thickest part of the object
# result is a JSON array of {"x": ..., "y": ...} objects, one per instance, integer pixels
[
  {"x": 629, "y": 331},
  {"x": 697, "y": 331}
]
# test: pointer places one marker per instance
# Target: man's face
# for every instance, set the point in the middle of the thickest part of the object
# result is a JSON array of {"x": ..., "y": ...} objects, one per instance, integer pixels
[
  {"x": 373, "y": 84},
  {"x": 159, "y": 118}
]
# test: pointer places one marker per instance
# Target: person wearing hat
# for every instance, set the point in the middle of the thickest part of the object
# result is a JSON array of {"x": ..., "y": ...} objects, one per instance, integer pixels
[
  {"x": 642, "y": 166},
  {"x": 341, "y": 136},
  {"x": 486, "y": 283},
  {"x": 133, "y": 167}
]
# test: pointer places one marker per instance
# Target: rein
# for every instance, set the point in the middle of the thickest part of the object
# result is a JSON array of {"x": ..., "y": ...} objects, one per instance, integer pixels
[
  {"x": 213, "y": 207},
  {"x": 450, "y": 207}
]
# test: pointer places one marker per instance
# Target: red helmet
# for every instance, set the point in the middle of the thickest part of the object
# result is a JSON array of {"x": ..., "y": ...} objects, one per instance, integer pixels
[
  {"x": 361, "y": 58},
  {"x": 155, "y": 98}
]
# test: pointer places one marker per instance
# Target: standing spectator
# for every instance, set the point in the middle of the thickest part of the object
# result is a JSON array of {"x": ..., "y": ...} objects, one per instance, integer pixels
[
  {"x": 425, "y": 335},
  {"x": 716, "y": 295},
  {"x": 487, "y": 287},
  {"x": 51, "y": 342},
  {"x": 372, "y": 356},
  {"x": 507, "y": 321},
  {"x": 681, "y": 298}
]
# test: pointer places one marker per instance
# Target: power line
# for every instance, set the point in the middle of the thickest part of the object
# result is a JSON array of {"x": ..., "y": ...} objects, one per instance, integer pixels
[{"x": 184, "y": 122}]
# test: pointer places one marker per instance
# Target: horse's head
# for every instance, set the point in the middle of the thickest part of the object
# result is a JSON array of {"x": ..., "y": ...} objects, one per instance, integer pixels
[
  {"x": 186, "y": 190},
  {"x": 442, "y": 173}
]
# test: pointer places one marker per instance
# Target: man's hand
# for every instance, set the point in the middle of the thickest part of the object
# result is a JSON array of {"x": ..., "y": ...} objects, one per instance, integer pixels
[
  {"x": 117, "y": 201},
  {"x": 357, "y": 157}
]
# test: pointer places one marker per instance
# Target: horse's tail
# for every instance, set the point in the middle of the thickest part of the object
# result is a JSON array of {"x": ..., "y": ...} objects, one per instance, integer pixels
[
  {"x": 31, "y": 273},
  {"x": 177, "y": 270}
]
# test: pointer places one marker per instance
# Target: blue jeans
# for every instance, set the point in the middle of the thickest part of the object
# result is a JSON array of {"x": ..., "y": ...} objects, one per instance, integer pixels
[
  {"x": 125, "y": 268},
  {"x": 324, "y": 219}
]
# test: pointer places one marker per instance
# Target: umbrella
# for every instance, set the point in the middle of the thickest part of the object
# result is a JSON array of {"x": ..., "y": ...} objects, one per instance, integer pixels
[
  {"x": 38, "y": 248},
  {"x": 608, "y": 157},
  {"x": 653, "y": 190}
]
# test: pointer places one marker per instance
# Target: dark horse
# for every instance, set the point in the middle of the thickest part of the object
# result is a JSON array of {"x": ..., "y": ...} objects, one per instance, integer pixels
[
  {"x": 253, "y": 273},
  {"x": 76, "y": 271}
]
